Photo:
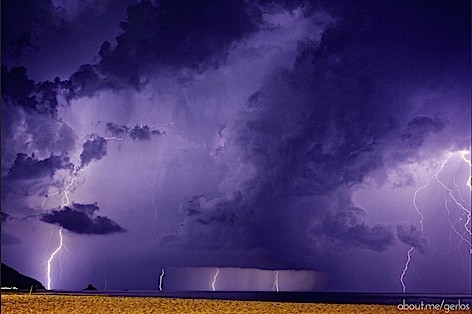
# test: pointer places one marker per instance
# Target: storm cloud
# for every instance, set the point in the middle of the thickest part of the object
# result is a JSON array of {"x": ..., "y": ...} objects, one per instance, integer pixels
[
  {"x": 322, "y": 126},
  {"x": 137, "y": 133},
  {"x": 117, "y": 130},
  {"x": 297, "y": 134},
  {"x": 85, "y": 82},
  {"x": 412, "y": 236},
  {"x": 28, "y": 167},
  {"x": 19, "y": 90},
  {"x": 140, "y": 133},
  {"x": 82, "y": 219},
  {"x": 150, "y": 36},
  {"x": 349, "y": 226},
  {"x": 95, "y": 148}
]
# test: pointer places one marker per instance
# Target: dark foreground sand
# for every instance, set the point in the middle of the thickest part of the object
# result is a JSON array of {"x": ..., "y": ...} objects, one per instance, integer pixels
[{"x": 24, "y": 303}]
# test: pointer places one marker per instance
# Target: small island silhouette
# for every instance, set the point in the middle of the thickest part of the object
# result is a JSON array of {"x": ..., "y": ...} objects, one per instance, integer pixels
[{"x": 90, "y": 287}]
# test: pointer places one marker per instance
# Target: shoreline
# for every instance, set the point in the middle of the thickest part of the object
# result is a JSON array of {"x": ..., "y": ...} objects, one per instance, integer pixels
[
  {"x": 264, "y": 296},
  {"x": 61, "y": 303}
]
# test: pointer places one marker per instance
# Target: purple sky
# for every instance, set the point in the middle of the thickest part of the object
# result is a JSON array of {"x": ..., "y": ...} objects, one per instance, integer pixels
[{"x": 290, "y": 136}]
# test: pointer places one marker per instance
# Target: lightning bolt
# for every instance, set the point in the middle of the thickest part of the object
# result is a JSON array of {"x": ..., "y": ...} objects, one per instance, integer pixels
[
  {"x": 458, "y": 189},
  {"x": 161, "y": 279},
  {"x": 65, "y": 201},
  {"x": 415, "y": 197},
  {"x": 411, "y": 250},
  {"x": 453, "y": 198},
  {"x": 451, "y": 223},
  {"x": 47, "y": 197},
  {"x": 447, "y": 192},
  {"x": 114, "y": 138},
  {"x": 275, "y": 287},
  {"x": 463, "y": 153},
  {"x": 214, "y": 279},
  {"x": 405, "y": 269},
  {"x": 52, "y": 257}
]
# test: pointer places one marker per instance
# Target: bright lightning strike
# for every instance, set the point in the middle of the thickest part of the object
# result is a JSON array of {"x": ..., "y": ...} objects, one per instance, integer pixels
[
  {"x": 458, "y": 189},
  {"x": 402, "y": 276},
  {"x": 65, "y": 201},
  {"x": 47, "y": 197},
  {"x": 450, "y": 221},
  {"x": 52, "y": 257},
  {"x": 213, "y": 283},
  {"x": 451, "y": 194},
  {"x": 114, "y": 138},
  {"x": 161, "y": 279},
  {"x": 275, "y": 287},
  {"x": 447, "y": 192},
  {"x": 416, "y": 205},
  {"x": 463, "y": 154},
  {"x": 410, "y": 251}
]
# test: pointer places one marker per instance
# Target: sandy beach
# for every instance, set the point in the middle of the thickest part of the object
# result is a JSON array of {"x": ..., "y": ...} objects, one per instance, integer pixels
[{"x": 24, "y": 303}]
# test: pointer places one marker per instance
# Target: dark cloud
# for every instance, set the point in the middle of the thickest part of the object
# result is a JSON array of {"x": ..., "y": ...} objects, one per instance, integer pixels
[
  {"x": 175, "y": 33},
  {"x": 18, "y": 89},
  {"x": 348, "y": 225},
  {"x": 30, "y": 121},
  {"x": 419, "y": 127},
  {"x": 95, "y": 148},
  {"x": 410, "y": 235},
  {"x": 117, "y": 130},
  {"x": 424, "y": 124},
  {"x": 28, "y": 168},
  {"x": 221, "y": 213},
  {"x": 216, "y": 224},
  {"x": 86, "y": 82},
  {"x": 81, "y": 219},
  {"x": 48, "y": 24},
  {"x": 172, "y": 34},
  {"x": 140, "y": 133},
  {"x": 16, "y": 85},
  {"x": 5, "y": 217}
]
